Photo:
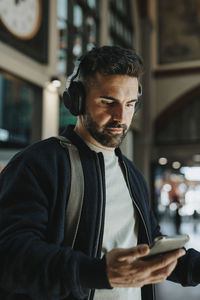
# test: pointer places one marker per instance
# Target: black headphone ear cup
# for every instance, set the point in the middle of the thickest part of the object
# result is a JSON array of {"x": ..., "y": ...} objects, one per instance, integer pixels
[
  {"x": 139, "y": 91},
  {"x": 74, "y": 98}
]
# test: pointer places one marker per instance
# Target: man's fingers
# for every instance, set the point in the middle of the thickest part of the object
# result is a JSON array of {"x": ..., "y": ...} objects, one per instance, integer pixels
[
  {"x": 161, "y": 261},
  {"x": 133, "y": 253},
  {"x": 125, "y": 268},
  {"x": 165, "y": 271},
  {"x": 162, "y": 274}
]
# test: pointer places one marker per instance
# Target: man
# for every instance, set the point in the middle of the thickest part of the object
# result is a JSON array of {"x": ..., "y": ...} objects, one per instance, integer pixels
[{"x": 116, "y": 223}]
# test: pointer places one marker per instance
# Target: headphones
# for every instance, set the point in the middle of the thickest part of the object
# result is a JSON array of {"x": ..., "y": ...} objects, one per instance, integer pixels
[{"x": 74, "y": 94}]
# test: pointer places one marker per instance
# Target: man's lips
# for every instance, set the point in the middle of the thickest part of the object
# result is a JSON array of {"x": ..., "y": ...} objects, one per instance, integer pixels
[{"x": 115, "y": 130}]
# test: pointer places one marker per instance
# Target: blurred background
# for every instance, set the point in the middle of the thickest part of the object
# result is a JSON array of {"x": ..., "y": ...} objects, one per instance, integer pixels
[{"x": 39, "y": 43}]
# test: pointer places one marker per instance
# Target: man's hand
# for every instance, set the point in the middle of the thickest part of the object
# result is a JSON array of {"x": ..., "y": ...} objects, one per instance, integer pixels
[{"x": 126, "y": 269}]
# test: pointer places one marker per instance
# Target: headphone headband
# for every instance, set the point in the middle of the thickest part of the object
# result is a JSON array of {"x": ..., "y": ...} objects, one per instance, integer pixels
[{"x": 74, "y": 74}]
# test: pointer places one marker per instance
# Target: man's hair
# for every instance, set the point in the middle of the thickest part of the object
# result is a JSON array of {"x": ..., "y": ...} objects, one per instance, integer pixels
[{"x": 110, "y": 60}]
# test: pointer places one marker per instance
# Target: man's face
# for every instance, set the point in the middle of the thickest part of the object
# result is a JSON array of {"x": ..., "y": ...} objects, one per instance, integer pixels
[{"x": 110, "y": 105}]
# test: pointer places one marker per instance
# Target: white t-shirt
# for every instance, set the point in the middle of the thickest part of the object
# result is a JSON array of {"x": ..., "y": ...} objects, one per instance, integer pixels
[{"x": 121, "y": 224}]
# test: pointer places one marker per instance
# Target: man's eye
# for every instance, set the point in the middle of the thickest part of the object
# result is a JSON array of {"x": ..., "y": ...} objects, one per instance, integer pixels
[
  {"x": 108, "y": 103},
  {"x": 132, "y": 104}
]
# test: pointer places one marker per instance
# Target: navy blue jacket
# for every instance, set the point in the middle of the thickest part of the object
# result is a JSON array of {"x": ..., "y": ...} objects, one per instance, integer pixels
[{"x": 36, "y": 262}]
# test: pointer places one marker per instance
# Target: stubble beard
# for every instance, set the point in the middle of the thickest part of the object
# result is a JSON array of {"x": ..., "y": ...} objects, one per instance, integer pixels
[{"x": 103, "y": 135}]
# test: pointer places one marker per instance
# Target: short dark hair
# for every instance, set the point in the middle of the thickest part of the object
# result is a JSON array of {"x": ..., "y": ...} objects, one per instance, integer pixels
[{"x": 110, "y": 60}]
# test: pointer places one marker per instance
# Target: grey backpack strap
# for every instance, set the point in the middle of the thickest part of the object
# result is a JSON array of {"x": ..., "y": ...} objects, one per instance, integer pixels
[{"x": 75, "y": 200}]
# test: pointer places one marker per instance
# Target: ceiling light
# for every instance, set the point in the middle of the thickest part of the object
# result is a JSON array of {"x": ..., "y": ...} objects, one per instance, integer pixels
[
  {"x": 176, "y": 165},
  {"x": 162, "y": 161},
  {"x": 55, "y": 81}
]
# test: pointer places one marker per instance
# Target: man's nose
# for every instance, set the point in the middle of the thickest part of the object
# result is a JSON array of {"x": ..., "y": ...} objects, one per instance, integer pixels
[{"x": 119, "y": 113}]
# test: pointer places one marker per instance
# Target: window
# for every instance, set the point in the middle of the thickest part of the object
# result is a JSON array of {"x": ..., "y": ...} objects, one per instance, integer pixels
[
  {"x": 121, "y": 25},
  {"x": 83, "y": 32},
  {"x": 20, "y": 103},
  {"x": 62, "y": 31},
  {"x": 78, "y": 24},
  {"x": 183, "y": 126}
]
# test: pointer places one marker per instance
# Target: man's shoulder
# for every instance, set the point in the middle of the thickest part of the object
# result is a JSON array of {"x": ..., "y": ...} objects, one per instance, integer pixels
[
  {"x": 42, "y": 154},
  {"x": 37, "y": 149}
]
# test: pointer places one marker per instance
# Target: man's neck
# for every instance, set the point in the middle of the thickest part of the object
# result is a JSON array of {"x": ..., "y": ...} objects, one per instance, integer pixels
[{"x": 85, "y": 135}]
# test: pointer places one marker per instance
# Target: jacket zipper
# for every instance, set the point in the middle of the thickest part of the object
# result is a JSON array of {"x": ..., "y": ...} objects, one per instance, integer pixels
[
  {"x": 101, "y": 208},
  {"x": 101, "y": 212},
  {"x": 141, "y": 215},
  {"x": 138, "y": 209}
]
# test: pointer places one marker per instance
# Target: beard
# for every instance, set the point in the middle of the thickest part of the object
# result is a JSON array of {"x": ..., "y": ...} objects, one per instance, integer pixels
[{"x": 102, "y": 134}]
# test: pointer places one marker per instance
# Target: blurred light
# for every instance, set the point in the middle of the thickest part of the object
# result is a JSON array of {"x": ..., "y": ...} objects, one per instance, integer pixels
[
  {"x": 191, "y": 173},
  {"x": 161, "y": 208},
  {"x": 4, "y": 135},
  {"x": 176, "y": 177},
  {"x": 77, "y": 50},
  {"x": 162, "y": 161},
  {"x": 164, "y": 198},
  {"x": 173, "y": 206},
  {"x": 182, "y": 188},
  {"x": 167, "y": 187},
  {"x": 192, "y": 198},
  {"x": 186, "y": 210},
  {"x": 55, "y": 81},
  {"x": 196, "y": 157},
  {"x": 176, "y": 165}
]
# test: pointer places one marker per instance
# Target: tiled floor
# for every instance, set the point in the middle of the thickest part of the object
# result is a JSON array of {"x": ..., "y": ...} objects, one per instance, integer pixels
[{"x": 172, "y": 291}]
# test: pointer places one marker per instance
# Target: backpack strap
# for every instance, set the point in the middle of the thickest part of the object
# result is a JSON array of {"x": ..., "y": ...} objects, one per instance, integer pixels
[{"x": 75, "y": 200}]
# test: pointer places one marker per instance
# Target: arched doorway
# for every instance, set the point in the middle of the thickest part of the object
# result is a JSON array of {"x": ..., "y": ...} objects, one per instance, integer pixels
[
  {"x": 177, "y": 153},
  {"x": 176, "y": 175}
]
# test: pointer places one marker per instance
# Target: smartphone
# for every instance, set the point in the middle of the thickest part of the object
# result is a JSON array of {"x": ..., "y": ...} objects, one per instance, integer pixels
[{"x": 164, "y": 244}]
